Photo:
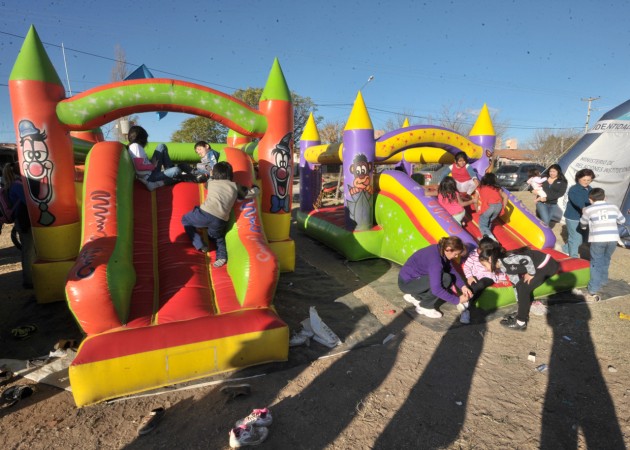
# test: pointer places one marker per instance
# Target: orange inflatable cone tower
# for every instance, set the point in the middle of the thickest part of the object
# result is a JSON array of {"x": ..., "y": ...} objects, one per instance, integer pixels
[{"x": 47, "y": 166}]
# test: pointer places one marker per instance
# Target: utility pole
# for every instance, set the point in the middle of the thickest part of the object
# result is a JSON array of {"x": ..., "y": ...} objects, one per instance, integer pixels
[{"x": 588, "y": 112}]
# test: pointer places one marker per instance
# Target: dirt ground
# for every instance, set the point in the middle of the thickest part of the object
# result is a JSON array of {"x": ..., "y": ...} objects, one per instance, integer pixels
[{"x": 396, "y": 382}]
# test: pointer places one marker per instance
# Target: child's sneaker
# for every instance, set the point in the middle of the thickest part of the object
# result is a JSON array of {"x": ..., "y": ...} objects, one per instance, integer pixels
[
  {"x": 461, "y": 307},
  {"x": 219, "y": 262},
  {"x": 258, "y": 418},
  {"x": 465, "y": 317},
  {"x": 247, "y": 435}
]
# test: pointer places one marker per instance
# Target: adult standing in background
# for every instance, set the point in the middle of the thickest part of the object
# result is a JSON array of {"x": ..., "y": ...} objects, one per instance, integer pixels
[
  {"x": 577, "y": 201},
  {"x": 12, "y": 182},
  {"x": 555, "y": 187}
]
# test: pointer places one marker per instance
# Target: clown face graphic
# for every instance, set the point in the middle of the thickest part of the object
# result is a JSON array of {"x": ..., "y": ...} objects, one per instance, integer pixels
[
  {"x": 281, "y": 175},
  {"x": 37, "y": 168}
]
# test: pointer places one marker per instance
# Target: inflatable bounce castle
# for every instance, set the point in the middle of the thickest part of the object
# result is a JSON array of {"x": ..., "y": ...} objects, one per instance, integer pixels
[
  {"x": 154, "y": 311},
  {"x": 388, "y": 215}
]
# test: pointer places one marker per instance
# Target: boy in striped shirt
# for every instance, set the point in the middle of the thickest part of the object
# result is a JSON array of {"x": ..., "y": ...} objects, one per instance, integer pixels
[{"x": 602, "y": 219}]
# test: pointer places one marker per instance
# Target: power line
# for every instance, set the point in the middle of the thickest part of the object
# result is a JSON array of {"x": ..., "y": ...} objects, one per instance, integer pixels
[{"x": 126, "y": 62}]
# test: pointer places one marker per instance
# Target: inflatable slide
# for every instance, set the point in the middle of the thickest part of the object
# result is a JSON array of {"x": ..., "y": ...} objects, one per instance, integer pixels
[
  {"x": 407, "y": 219},
  {"x": 155, "y": 311},
  {"x": 389, "y": 215}
]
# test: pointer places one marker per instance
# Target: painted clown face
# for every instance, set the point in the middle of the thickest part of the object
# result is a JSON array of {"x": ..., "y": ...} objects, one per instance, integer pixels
[
  {"x": 280, "y": 171},
  {"x": 36, "y": 166}
]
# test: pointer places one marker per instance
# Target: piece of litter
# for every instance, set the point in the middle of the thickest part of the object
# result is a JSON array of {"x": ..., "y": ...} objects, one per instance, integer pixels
[
  {"x": 541, "y": 368},
  {"x": 459, "y": 403},
  {"x": 388, "y": 338},
  {"x": 532, "y": 356},
  {"x": 612, "y": 369},
  {"x": 322, "y": 333},
  {"x": 390, "y": 311},
  {"x": 566, "y": 338}
]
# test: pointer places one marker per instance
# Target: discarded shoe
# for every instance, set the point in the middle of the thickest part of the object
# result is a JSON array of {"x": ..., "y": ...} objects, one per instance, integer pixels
[
  {"x": 298, "y": 339},
  {"x": 236, "y": 390},
  {"x": 5, "y": 376},
  {"x": 258, "y": 418},
  {"x": 538, "y": 308},
  {"x": 219, "y": 262},
  {"x": 14, "y": 394},
  {"x": 513, "y": 324},
  {"x": 465, "y": 317},
  {"x": 23, "y": 332},
  {"x": 411, "y": 299},
  {"x": 150, "y": 421},
  {"x": 65, "y": 344},
  {"x": 247, "y": 435},
  {"x": 429, "y": 312}
]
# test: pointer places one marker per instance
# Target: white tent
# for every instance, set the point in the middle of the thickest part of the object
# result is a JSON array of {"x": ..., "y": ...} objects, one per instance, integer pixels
[{"x": 605, "y": 149}]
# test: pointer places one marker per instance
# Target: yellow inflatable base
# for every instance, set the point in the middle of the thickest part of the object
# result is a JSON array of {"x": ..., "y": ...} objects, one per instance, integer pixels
[
  {"x": 49, "y": 280},
  {"x": 116, "y": 377},
  {"x": 285, "y": 252}
]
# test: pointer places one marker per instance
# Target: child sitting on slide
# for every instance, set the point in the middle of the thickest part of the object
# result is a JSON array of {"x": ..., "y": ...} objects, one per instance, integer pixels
[
  {"x": 214, "y": 213},
  {"x": 449, "y": 198},
  {"x": 464, "y": 175},
  {"x": 150, "y": 172}
]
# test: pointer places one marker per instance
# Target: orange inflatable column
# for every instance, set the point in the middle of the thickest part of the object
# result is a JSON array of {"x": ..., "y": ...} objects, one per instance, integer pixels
[
  {"x": 275, "y": 166},
  {"x": 47, "y": 166}
]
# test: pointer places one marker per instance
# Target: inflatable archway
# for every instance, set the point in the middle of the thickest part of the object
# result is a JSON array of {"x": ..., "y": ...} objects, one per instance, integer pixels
[{"x": 44, "y": 117}]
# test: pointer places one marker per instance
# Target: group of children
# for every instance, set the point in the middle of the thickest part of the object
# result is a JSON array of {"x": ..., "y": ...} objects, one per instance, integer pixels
[
  {"x": 424, "y": 279},
  {"x": 214, "y": 213},
  {"x": 462, "y": 188}
]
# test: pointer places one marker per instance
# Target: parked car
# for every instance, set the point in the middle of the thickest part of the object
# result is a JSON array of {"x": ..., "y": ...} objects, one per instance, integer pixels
[
  {"x": 515, "y": 177},
  {"x": 431, "y": 174}
]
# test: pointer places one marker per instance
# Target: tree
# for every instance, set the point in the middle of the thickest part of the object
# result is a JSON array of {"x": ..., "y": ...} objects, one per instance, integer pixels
[
  {"x": 396, "y": 122},
  {"x": 332, "y": 132},
  {"x": 200, "y": 128},
  {"x": 302, "y": 107},
  {"x": 119, "y": 73},
  {"x": 550, "y": 145}
]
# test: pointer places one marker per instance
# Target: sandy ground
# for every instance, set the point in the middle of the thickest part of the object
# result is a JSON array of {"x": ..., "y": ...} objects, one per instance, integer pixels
[{"x": 460, "y": 387}]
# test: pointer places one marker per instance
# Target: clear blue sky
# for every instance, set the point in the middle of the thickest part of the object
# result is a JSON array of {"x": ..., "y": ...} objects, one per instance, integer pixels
[{"x": 531, "y": 61}]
